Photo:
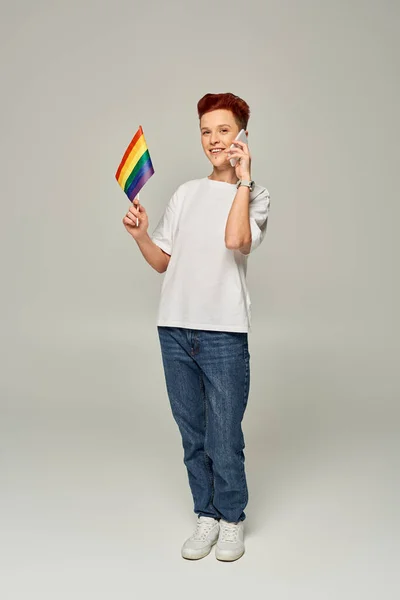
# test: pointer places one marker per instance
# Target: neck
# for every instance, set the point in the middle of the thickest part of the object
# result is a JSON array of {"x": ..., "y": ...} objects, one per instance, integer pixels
[{"x": 226, "y": 175}]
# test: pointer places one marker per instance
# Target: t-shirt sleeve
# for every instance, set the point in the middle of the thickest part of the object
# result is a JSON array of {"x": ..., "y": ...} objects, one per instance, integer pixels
[
  {"x": 163, "y": 234},
  {"x": 258, "y": 216}
]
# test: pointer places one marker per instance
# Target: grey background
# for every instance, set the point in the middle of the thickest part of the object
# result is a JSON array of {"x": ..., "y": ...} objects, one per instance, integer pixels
[{"x": 94, "y": 495}]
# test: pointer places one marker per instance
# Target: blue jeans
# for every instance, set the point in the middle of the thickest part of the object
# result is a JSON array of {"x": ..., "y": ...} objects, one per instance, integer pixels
[{"x": 207, "y": 375}]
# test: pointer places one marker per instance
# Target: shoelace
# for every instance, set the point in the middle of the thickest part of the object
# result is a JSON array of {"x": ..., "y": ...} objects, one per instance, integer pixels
[
  {"x": 203, "y": 528},
  {"x": 229, "y": 532}
]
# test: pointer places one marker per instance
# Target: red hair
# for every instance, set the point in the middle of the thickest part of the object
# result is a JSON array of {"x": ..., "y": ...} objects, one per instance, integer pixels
[{"x": 228, "y": 101}]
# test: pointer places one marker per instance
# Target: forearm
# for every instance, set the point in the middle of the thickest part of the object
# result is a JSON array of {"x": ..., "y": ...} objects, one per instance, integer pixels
[
  {"x": 153, "y": 253},
  {"x": 237, "y": 229}
]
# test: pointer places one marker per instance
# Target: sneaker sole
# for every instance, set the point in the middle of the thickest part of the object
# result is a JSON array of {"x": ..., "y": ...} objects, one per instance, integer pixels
[
  {"x": 199, "y": 557},
  {"x": 226, "y": 559}
]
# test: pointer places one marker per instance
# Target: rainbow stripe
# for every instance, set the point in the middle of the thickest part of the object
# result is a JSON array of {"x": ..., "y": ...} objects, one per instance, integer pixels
[{"x": 136, "y": 167}]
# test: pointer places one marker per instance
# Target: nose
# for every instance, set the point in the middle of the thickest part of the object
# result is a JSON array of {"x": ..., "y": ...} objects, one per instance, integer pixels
[{"x": 214, "y": 138}]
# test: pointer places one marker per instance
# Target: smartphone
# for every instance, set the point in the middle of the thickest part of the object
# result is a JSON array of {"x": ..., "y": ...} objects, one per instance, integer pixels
[{"x": 242, "y": 137}]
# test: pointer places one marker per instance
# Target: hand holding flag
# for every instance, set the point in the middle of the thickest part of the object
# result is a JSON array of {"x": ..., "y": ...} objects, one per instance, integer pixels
[{"x": 136, "y": 223}]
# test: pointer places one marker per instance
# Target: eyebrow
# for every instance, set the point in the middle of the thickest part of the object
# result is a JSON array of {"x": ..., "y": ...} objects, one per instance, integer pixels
[{"x": 222, "y": 125}]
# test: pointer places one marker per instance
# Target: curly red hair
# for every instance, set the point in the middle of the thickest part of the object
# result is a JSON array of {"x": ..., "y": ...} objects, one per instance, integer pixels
[{"x": 228, "y": 101}]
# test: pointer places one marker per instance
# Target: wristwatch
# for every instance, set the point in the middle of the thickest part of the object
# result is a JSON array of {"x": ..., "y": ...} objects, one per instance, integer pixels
[{"x": 249, "y": 184}]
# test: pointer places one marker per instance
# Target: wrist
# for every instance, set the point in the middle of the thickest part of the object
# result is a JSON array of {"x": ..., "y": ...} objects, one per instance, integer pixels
[
  {"x": 246, "y": 177},
  {"x": 142, "y": 239}
]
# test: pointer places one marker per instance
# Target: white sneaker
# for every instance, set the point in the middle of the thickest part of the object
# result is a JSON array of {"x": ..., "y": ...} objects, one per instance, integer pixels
[
  {"x": 201, "y": 541},
  {"x": 230, "y": 545}
]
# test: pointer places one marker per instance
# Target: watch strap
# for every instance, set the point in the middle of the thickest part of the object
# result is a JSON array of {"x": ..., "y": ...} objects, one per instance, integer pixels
[{"x": 246, "y": 182}]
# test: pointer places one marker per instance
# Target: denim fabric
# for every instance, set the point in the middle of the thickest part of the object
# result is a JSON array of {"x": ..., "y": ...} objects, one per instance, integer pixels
[{"x": 207, "y": 375}]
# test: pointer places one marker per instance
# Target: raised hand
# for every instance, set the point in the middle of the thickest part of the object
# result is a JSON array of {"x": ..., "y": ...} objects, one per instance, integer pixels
[{"x": 135, "y": 211}]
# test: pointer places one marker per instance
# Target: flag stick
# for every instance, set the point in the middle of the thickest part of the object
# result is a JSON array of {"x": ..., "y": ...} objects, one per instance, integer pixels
[{"x": 137, "y": 220}]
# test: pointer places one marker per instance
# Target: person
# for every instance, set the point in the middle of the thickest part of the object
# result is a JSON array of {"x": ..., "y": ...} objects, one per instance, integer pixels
[{"x": 202, "y": 242}]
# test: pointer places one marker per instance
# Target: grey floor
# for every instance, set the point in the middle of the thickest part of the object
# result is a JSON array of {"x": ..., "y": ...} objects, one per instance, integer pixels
[{"x": 94, "y": 495}]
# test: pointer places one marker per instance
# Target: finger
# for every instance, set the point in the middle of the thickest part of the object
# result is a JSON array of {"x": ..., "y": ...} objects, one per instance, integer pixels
[
  {"x": 230, "y": 150},
  {"x": 134, "y": 211},
  {"x": 128, "y": 221},
  {"x": 140, "y": 207},
  {"x": 243, "y": 145},
  {"x": 245, "y": 148}
]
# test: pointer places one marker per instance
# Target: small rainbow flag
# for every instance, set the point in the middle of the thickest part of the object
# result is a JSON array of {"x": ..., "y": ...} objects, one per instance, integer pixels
[{"x": 136, "y": 167}]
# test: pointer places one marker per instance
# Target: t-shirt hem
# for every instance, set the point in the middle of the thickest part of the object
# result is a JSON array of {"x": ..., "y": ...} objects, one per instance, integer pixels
[
  {"x": 209, "y": 326},
  {"x": 161, "y": 245}
]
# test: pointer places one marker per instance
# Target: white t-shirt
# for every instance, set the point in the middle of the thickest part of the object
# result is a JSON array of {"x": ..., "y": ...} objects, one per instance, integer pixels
[{"x": 204, "y": 286}]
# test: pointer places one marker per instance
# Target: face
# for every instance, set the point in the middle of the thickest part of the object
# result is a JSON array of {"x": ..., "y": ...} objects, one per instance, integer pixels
[{"x": 218, "y": 129}]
